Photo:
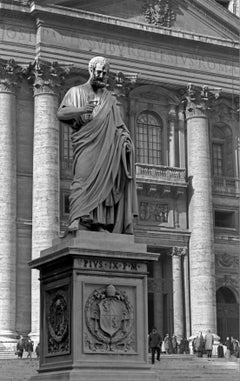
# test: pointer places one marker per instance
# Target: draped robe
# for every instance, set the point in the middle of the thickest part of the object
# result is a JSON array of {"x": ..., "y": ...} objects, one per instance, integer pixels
[{"x": 103, "y": 189}]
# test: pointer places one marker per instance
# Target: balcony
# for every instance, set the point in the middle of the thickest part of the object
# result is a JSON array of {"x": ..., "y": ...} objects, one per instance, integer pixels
[
  {"x": 226, "y": 185},
  {"x": 160, "y": 175}
]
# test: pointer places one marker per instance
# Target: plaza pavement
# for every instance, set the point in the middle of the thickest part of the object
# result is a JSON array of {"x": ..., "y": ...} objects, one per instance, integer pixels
[{"x": 170, "y": 368}]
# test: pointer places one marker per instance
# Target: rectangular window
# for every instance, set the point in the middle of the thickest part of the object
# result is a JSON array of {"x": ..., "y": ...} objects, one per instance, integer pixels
[
  {"x": 225, "y": 219},
  {"x": 217, "y": 150}
]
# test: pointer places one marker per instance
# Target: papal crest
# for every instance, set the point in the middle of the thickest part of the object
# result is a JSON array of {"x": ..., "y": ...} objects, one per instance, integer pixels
[{"x": 109, "y": 319}]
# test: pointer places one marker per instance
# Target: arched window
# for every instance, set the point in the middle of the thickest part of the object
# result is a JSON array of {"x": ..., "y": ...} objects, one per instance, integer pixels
[
  {"x": 225, "y": 295},
  {"x": 149, "y": 138},
  {"x": 222, "y": 151}
]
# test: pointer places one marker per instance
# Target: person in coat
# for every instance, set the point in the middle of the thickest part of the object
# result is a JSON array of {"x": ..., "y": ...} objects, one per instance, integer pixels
[
  {"x": 199, "y": 344},
  {"x": 209, "y": 340},
  {"x": 155, "y": 342}
]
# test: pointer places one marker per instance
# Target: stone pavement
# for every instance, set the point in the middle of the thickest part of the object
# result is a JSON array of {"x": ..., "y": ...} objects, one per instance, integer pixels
[{"x": 170, "y": 368}]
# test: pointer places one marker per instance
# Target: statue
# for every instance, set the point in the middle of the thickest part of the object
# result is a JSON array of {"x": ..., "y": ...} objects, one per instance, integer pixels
[{"x": 103, "y": 191}]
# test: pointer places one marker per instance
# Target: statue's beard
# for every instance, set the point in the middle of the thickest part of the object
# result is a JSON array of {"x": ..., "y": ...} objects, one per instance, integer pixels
[{"x": 97, "y": 83}]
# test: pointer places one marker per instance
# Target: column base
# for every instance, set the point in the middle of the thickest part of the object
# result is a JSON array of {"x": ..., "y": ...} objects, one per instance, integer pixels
[{"x": 98, "y": 375}]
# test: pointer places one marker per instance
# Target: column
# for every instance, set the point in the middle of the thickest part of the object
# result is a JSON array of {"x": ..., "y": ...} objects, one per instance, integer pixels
[
  {"x": 181, "y": 137},
  {"x": 178, "y": 302},
  {"x": 201, "y": 250},
  {"x": 158, "y": 296},
  {"x": 172, "y": 149},
  {"x": 45, "y": 203},
  {"x": 9, "y": 75}
]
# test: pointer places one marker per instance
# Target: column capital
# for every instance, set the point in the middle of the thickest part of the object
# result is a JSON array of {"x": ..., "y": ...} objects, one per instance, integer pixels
[
  {"x": 120, "y": 84},
  {"x": 10, "y": 75},
  {"x": 198, "y": 100},
  {"x": 178, "y": 251},
  {"x": 46, "y": 77}
]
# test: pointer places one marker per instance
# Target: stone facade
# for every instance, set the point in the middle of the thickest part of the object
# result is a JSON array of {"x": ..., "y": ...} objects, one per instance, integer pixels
[{"x": 187, "y": 149}]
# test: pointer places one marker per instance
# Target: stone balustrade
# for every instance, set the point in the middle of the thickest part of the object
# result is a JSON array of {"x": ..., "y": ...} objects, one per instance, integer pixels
[{"x": 160, "y": 174}]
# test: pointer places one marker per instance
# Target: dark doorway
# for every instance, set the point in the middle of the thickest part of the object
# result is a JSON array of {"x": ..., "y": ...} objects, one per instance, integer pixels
[{"x": 227, "y": 314}]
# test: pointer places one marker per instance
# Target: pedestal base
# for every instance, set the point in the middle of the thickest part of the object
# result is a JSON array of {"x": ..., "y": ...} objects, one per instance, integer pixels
[
  {"x": 98, "y": 375},
  {"x": 94, "y": 309}
]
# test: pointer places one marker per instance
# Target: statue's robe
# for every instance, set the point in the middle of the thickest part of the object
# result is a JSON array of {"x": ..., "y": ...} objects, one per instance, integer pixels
[{"x": 103, "y": 189}]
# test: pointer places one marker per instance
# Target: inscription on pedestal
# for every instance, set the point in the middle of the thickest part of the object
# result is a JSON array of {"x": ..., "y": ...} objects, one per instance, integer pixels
[{"x": 109, "y": 321}]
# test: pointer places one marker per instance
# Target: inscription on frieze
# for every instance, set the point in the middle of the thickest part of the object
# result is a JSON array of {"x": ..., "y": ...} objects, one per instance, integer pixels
[
  {"x": 109, "y": 317},
  {"x": 58, "y": 322}
]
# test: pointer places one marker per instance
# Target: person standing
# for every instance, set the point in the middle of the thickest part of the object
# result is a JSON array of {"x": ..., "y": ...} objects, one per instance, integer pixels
[
  {"x": 155, "y": 342},
  {"x": 103, "y": 191},
  {"x": 174, "y": 344},
  {"x": 209, "y": 340},
  {"x": 20, "y": 347},
  {"x": 199, "y": 344},
  {"x": 29, "y": 348},
  {"x": 167, "y": 343}
]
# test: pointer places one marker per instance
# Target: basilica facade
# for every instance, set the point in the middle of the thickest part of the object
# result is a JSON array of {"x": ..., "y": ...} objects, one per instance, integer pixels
[{"x": 176, "y": 77}]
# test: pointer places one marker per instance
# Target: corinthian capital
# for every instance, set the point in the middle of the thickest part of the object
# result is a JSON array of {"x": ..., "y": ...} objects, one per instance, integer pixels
[
  {"x": 199, "y": 99},
  {"x": 46, "y": 77},
  {"x": 10, "y": 75},
  {"x": 179, "y": 251}
]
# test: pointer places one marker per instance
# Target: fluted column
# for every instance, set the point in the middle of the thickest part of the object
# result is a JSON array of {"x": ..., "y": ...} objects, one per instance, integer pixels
[
  {"x": 178, "y": 303},
  {"x": 172, "y": 122},
  {"x": 45, "y": 203},
  {"x": 9, "y": 75},
  {"x": 201, "y": 250}
]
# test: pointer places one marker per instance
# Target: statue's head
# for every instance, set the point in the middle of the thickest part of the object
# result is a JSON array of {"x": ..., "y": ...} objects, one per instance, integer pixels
[{"x": 98, "y": 69}]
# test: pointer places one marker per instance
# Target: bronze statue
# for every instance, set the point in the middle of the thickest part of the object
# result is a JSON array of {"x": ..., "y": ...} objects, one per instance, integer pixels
[{"x": 103, "y": 192}]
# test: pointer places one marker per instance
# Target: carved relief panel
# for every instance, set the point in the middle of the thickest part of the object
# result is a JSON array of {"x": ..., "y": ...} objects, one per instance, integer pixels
[
  {"x": 57, "y": 321},
  {"x": 109, "y": 316}
]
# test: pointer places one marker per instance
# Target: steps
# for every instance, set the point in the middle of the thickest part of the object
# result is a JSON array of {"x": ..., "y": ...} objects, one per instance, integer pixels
[{"x": 170, "y": 368}]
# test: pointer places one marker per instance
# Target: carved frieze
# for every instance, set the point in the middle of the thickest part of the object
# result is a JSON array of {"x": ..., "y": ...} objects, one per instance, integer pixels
[
  {"x": 226, "y": 260},
  {"x": 109, "y": 318},
  {"x": 10, "y": 75},
  {"x": 58, "y": 322},
  {"x": 152, "y": 211},
  {"x": 160, "y": 12}
]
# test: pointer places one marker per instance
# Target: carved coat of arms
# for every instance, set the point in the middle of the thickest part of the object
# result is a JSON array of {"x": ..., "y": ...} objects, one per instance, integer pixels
[{"x": 109, "y": 319}]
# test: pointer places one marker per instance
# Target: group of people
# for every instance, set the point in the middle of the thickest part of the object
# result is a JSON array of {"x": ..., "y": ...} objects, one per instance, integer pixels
[
  {"x": 26, "y": 345},
  {"x": 168, "y": 345},
  {"x": 201, "y": 345},
  {"x": 204, "y": 344}
]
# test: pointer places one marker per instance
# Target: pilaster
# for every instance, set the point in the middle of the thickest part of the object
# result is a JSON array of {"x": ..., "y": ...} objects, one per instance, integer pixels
[
  {"x": 172, "y": 117},
  {"x": 45, "y": 204},
  {"x": 178, "y": 304},
  {"x": 10, "y": 74},
  {"x": 201, "y": 250}
]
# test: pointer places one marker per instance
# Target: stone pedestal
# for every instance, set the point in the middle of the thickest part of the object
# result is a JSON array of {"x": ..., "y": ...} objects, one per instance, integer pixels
[{"x": 94, "y": 309}]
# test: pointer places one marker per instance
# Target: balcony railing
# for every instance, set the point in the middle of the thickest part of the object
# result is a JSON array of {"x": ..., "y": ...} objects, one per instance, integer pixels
[
  {"x": 227, "y": 185},
  {"x": 160, "y": 174}
]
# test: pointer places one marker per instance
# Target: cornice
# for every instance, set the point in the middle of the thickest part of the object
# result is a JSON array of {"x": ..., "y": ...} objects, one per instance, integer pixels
[{"x": 59, "y": 11}]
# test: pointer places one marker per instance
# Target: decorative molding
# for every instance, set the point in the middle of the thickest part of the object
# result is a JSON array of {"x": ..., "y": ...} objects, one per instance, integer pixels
[
  {"x": 160, "y": 12},
  {"x": 109, "y": 320},
  {"x": 10, "y": 75}
]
